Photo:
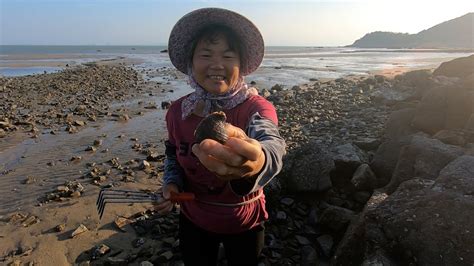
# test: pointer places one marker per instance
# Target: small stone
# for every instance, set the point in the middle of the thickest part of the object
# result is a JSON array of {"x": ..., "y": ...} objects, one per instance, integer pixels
[
  {"x": 79, "y": 230},
  {"x": 75, "y": 194},
  {"x": 287, "y": 201},
  {"x": 302, "y": 240},
  {"x": 62, "y": 189},
  {"x": 60, "y": 227},
  {"x": 121, "y": 222},
  {"x": 281, "y": 215},
  {"x": 100, "y": 250},
  {"x": 138, "y": 242},
  {"x": 91, "y": 148},
  {"x": 147, "y": 263},
  {"x": 166, "y": 255},
  {"x": 30, "y": 221},
  {"x": 29, "y": 180},
  {"x": 97, "y": 142},
  {"x": 145, "y": 165},
  {"x": 79, "y": 123},
  {"x": 75, "y": 158}
]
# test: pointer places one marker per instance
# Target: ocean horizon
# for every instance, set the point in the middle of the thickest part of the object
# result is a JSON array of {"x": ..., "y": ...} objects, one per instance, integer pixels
[{"x": 282, "y": 64}]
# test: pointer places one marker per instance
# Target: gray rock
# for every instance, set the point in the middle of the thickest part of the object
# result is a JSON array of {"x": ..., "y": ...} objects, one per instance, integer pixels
[
  {"x": 364, "y": 178},
  {"x": 450, "y": 137},
  {"x": 424, "y": 158},
  {"x": 386, "y": 158},
  {"x": 308, "y": 168},
  {"x": 336, "y": 218},
  {"x": 347, "y": 158},
  {"x": 309, "y": 256},
  {"x": 399, "y": 124},
  {"x": 326, "y": 243},
  {"x": 302, "y": 240},
  {"x": 457, "y": 176}
]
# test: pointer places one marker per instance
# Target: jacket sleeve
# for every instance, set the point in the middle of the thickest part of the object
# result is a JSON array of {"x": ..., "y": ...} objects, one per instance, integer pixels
[
  {"x": 173, "y": 172},
  {"x": 273, "y": 145}
]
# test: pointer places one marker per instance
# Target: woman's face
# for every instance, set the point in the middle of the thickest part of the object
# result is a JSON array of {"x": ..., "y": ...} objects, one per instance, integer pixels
[{"x": 215, "y": 66}]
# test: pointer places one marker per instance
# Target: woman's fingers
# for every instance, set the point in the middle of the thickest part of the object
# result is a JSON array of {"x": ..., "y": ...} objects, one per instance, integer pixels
[
  {"x": 221, "y": 152},
  {"x": 235, "y": 132},
  {"x": 248, "y": 148}
]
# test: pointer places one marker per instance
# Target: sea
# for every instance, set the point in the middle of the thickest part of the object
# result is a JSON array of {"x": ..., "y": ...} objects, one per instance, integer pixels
[{"x": 284, "y": 65}]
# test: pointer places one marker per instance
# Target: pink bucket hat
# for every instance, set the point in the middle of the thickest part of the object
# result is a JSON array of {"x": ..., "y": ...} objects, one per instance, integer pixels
[{"x": 185, "y": 30}]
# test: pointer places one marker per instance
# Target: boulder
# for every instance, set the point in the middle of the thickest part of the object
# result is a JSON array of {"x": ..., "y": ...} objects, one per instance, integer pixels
[
  {"x": 352, "y": 248},
  {"x": 451, "y": 137},
  {"x": 307, "y": 168},
  {"x": 430, "y": 113},
  {"x": 457, "y": 177},
  {"x": 447, "y": 107},
  {"x": 423, "y": 158},
  {"x": 459, "y": 67},
  {"x": 347, "y": 158},
  {"x": 385, "y": 159},
  {"x": 424, "y": 222},
  {"x": 364, "y": 178},
  {"x": 399, "y": 123}
]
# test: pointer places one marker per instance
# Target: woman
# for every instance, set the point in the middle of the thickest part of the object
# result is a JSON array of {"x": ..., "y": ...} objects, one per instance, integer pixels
[{"x": 216, "y": 48}]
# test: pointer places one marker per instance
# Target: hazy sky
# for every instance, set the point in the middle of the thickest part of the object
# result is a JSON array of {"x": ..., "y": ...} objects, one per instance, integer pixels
[{"x": 282, "y": 22}]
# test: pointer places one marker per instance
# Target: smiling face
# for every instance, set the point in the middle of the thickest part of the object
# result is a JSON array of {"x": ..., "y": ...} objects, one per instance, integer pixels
[{"x": 215, "y": 65}]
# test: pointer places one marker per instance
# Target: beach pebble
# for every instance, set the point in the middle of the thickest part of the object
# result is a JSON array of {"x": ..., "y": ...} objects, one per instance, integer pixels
[
  {"x": 60, "y": 227},
  {"x": 75, "y": 194},
  {"x": 91, "y": 148},
  {"x": 121, "y": 222},
  {"x": 29, "y": 180},
  {"x": 79, "y": 230},
  {"x": 79, "y": 123},
  {"x": 138, "y": 242},
  {"x": 100, "y": 250},
  {"x": 30, "y": 221},
  {"x": 145, "y": 165},
  {"x": 75, "y": 158},
  {"x": 97, "y": 142}
]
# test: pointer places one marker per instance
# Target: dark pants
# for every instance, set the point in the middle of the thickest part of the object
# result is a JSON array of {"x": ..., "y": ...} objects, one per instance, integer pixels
[{"x": 200, "y": 247}]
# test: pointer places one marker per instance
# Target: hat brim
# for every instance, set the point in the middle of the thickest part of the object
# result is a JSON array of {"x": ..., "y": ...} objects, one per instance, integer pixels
[{"x": 185, "y": 30}]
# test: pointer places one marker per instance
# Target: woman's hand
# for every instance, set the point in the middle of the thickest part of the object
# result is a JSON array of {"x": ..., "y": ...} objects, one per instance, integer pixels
[
  {"x": 165, "y": 206},
  {"x": 240, "y": 157}
]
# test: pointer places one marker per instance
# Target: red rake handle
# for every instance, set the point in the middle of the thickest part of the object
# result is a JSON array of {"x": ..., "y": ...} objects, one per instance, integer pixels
[{"x": 183, "y": 196}]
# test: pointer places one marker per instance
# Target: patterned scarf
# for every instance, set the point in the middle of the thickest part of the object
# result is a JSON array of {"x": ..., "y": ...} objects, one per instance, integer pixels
[{"x": 202, "y": 103}]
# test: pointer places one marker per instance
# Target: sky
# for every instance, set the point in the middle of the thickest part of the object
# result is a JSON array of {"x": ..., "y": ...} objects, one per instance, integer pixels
[{"x": 281, "y": 22}]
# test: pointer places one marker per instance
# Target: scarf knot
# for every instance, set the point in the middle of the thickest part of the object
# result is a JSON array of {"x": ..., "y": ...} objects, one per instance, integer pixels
[{"x": 202, "y": 103}]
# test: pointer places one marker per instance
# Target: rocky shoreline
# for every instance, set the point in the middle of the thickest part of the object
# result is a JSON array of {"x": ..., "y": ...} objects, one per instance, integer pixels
[{"x": 372, "y": 175}]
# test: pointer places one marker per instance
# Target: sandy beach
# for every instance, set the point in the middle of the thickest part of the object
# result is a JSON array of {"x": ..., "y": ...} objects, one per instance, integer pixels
[{"x": 102, "y": 125}]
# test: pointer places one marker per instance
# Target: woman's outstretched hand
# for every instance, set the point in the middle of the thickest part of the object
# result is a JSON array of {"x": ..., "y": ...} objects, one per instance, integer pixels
[{"x": 240, "y": 157}]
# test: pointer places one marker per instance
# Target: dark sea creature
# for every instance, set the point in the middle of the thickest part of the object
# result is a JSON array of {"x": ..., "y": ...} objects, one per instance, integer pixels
[{"x": 212, "y": 127}]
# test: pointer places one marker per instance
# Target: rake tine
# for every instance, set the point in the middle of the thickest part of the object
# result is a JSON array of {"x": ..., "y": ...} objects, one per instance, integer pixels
[
  {"x": 124, "y": 193},
  {"x": 107, "y": 195},
  {"x": 122, "y": 196},
  {"x": 101, "y": 208},
  {"x": 119, "y": 191}
]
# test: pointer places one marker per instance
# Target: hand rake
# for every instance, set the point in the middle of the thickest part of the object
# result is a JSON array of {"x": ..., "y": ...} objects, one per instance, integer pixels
[{"x": 131, "y": 196}]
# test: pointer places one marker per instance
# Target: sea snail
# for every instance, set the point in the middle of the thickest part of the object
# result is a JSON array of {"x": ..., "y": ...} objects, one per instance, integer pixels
[{"x": 213, "y": 127}]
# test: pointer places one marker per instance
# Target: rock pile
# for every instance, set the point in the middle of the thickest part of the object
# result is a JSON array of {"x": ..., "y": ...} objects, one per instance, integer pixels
[
  {"x": 404, "y": 198},
  {"x": 63, "y": 100}
]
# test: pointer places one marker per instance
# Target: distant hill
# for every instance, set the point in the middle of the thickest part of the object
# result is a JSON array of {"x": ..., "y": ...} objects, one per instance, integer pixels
[{"x": 455, "y": 33}]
